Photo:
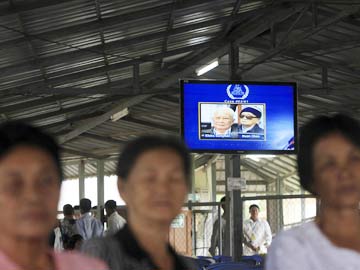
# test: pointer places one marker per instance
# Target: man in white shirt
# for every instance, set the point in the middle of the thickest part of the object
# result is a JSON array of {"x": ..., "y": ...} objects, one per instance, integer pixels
[
  {"x": 257, "y": 233},
  {"x": 88, "y": 226},
  {"x": 114, "y": 221}
]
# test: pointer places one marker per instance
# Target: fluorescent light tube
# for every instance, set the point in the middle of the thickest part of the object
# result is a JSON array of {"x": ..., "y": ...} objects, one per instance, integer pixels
[
  {"x": 119, "y": 115},
  {"x": 207, "y": 68}
]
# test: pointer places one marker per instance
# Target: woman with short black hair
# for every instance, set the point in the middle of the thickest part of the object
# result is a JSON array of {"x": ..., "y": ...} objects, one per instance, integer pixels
[
  {"x": 30, "y": 179},
  {"x": 153, "y": 180},
  {"x": 329, "y": 167}
]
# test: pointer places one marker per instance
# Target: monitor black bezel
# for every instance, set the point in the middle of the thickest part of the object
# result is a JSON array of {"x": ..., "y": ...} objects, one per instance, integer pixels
[{"x": 222, "y": 151}]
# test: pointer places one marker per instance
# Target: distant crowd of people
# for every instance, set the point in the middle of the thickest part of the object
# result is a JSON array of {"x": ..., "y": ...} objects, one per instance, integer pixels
[{"x": 70, "y": 232}]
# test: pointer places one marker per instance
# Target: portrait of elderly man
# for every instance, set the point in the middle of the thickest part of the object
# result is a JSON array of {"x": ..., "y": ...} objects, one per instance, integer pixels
[
  {"x": 222, "y": 121},
  {"x": 249, "y": 120}
]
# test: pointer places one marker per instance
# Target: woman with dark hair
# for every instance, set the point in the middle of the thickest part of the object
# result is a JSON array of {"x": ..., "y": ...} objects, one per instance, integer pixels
[
  {"x": 153, "y": 180},
  {"x": 329, "y": 167},
  {"x": 30, "y": 179}
]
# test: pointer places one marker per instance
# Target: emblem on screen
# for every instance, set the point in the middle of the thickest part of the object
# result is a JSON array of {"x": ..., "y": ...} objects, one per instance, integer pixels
[{"x": 237, "y": 91}]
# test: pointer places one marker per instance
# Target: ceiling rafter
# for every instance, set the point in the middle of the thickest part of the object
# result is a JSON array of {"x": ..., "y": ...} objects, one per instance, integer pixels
[
  {"x": 299, "y": 39},
  {"x": 97, "y": 49},
  {"x": 84, "y": 127}
]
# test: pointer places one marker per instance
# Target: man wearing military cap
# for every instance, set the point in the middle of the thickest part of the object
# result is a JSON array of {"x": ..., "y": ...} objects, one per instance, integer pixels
[{"x": 249, "y": 121}]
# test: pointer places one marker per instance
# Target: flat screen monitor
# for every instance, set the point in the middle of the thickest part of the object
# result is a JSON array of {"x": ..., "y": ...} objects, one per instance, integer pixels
[{"x": 239, "y": 116}]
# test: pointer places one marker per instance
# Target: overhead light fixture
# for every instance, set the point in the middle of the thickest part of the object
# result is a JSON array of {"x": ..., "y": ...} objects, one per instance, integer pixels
[
  {"x": 208, "y": 67},
  {"x": 119, "y": 115}
]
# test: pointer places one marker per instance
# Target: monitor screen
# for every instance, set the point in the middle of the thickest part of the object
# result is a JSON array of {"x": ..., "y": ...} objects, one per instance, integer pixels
[{"x": 239, "y": 117}]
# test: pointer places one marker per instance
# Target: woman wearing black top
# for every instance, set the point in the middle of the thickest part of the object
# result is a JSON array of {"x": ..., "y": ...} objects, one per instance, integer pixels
[{"x": 153, "y": 179}]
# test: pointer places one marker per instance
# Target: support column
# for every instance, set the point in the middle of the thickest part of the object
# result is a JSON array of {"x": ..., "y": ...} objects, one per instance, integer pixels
[
  {"x": 227, "y": 248},
  {"x": 235, "y": 219},
  {"x": 236, "y": 213},
  {"x": 192, "y": 189},
  {"x": 81, "y": 179},
  {"x": 213, "y": 181},
  {"x": 303, "y": 206},
  {"x": 279, "y": 204},
  {"x": 100, "y": 186}
]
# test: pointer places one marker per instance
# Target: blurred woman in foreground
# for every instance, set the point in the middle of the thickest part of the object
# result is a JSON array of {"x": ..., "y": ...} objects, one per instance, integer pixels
[
  {"x": 329, "y": 167},
  {"x": 30, "y": 179},
  {"x": 153, "y": 180}
]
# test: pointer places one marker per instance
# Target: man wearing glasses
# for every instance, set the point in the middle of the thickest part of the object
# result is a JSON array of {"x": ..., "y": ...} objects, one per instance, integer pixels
[{"x": 249, "y": 121}]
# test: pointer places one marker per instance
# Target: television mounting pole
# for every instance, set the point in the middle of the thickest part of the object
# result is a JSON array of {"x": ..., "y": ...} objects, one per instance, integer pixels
[{"x": 236, "y": 207}]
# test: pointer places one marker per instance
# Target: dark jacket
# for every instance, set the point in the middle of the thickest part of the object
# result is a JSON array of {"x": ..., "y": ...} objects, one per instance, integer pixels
[
  {"x": 122, "y": 252},
  {"x": 255, "y": 129}
]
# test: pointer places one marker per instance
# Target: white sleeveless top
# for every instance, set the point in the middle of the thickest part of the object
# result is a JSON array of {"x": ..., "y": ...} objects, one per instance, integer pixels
[{"x": 306, "y": 247}]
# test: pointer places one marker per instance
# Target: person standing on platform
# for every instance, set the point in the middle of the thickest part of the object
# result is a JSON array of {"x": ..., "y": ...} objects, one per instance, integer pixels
[
  {"x": 215, "y": 237},
  {"x": 257, "y": 233},
  {"x": 88, "y": 226},
  {"x": 114, "y": 221}
]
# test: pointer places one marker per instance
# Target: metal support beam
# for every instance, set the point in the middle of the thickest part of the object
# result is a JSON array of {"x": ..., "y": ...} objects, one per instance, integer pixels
[
  {"x": 169, "y": 28},
  {"x": 85, "y": 53},
  {"x": 30, "y": 103},
  {"x": 227, "y": 27},
  {"x": 81, "y": 153},
  {"x": 315, "y": 15},
  {"x": 293, "y": 25},
  {"x": 103, "y": 118},
  {"x": 239, "y": 36},
  {"x": 273, "y": 36},
  {"x": 299, "y": 39},
  {"x": 152, "y": 125},
  {"x": 236, "y": 213},
  {"x": 303, "y": 206},
  {"x": 255, "y": 170},
  {"x": 102, "y": 38},
  {"x": 100, "y": 186},
  {"x": 213, "y": 183},
  {"x": 234, "y": 61},
  {"x": 279, "y": 204},
  {"x": 32, "y": 49},
  {"x": 192, "y": 190},
  {"x": 136, "y": 78},
  {"x": 202, "y": 160},
  {"x": 227, "y": 248},
  {"x": 88, "y": 105},
  {"x": 102, "y": 138},
  {"x": 81, "y": 179},
  {"x": 324, "y": 78}
]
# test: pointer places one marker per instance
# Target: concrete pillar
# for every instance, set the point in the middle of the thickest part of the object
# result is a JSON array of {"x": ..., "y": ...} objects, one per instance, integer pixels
[
  {"x": 81, "y": 179},
  {"x": 100, "y": 186}
]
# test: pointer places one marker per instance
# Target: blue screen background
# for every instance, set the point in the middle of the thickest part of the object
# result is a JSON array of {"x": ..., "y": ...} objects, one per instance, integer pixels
[{"x": 279, "y": 100}]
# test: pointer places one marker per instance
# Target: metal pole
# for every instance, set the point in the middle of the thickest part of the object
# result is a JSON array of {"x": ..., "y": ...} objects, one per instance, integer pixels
[
  {"x": 100, "y": 186},
  {"x": 213, "y": 182},
  {"x": 278, "y": 204},
  {"x": 81, "y": 179},
  {"x": 236, "y": 213},
  {"x": 303, "y": 205},
  {"x": 227, "y": 248}
]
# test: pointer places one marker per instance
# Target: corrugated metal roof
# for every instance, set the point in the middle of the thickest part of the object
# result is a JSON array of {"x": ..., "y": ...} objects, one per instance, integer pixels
[{"x": 64, "y": 63}]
